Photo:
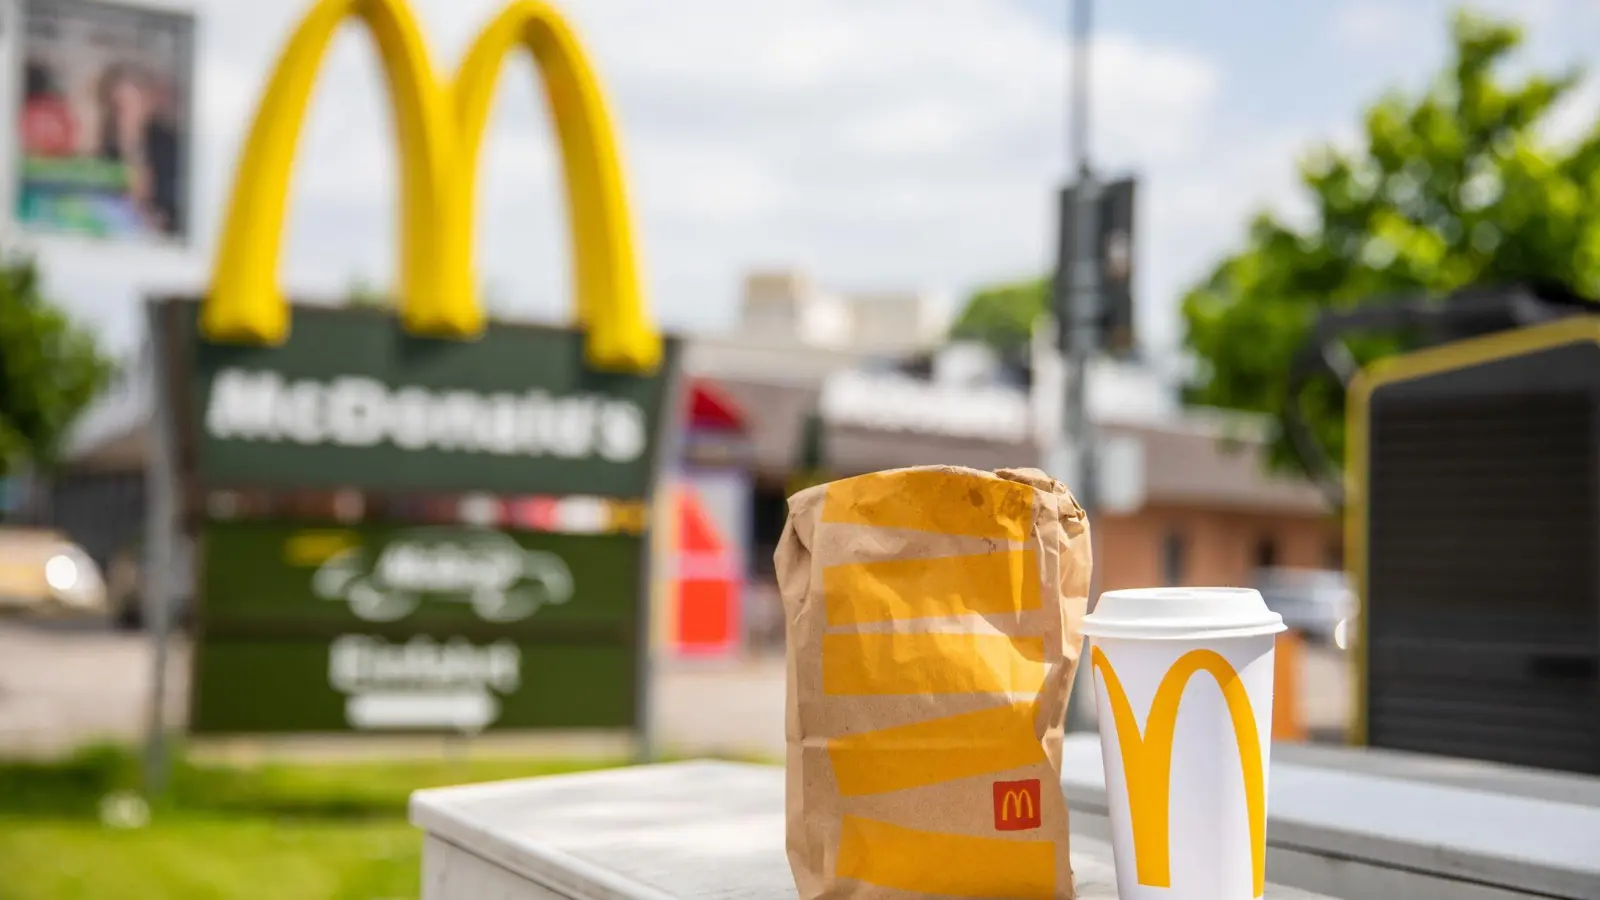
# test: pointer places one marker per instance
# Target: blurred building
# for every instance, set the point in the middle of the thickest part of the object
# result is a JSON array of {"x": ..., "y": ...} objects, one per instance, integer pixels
[{"x": 1186, "y": 498}]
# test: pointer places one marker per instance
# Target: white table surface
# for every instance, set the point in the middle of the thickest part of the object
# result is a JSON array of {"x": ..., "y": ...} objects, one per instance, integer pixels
[{"x": 701, "y": 830}]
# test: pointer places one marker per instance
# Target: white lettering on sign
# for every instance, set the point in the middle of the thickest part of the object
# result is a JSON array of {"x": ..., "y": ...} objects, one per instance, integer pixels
[
  {"x": 359, "y": 663},
  {"x": 355, "y": 411},
  {"x": 487, "y": 570},
  {"x": 893, "y": 402},
  {"x": 422, "y": 684}
]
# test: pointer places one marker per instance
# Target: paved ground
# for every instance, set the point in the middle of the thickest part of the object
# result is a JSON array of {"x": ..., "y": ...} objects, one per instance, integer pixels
[{"x": 62, "y": 688}]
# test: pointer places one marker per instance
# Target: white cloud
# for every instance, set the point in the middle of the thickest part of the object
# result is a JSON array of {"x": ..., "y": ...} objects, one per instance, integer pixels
[
  {"x": 898, "y": 142},
  {"x": 1576, "y": 115},
  {"x": 1370, "y": 24}
]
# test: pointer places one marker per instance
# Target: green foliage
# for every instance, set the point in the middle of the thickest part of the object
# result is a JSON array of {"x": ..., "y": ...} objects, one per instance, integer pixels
[
  {"x": 211, "y": 858},
  {"x": 366, "y": 295},
  {"x": 74, "y": 786},
  {"x": 50, "y": 369},
  {"x": 1002, "y": 316},
  {"x": 1450, "y": 188}
]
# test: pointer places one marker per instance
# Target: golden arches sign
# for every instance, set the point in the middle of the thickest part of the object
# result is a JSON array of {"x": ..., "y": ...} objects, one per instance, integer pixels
[{"x": 440, "y": 131}]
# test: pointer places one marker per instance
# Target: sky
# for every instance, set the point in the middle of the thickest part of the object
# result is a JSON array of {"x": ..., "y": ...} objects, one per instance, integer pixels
[{"x": 874, "y": 144}]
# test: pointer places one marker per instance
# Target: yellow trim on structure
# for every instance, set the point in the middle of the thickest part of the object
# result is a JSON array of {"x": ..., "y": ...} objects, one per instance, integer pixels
[
  {"x": 439, "y": 132},
  {"x": 1420, "y": 364}
]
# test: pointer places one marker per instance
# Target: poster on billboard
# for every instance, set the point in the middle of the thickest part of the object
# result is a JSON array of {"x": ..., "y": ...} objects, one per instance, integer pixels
[{"x": 104, "y": 120}]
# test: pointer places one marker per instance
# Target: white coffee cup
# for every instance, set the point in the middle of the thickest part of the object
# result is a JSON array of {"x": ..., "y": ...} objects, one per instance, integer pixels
[{"x": 1185, "y": 757}]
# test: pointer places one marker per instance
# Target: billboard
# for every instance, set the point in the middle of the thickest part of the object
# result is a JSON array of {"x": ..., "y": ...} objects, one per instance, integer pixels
[{"x": 104, "y": 120}]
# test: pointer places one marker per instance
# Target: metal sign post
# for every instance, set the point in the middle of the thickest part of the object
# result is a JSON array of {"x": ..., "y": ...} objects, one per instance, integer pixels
[
  {"x": 1078, "y": 300},
  {"x": 161, "y": 523}
]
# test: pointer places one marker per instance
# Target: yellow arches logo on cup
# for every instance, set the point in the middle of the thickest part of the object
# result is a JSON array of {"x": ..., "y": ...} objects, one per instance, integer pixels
[
  {"x": 1147, "y": 760},
  {"x": 439, "y": 129}
]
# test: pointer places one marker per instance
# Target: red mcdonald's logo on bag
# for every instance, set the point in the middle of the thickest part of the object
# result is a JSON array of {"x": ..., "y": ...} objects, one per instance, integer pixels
[{"x": 1016, "y": 805}]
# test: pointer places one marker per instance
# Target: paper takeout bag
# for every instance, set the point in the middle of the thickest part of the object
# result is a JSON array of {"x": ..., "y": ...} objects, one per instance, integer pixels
[{"x": 933, "y": 632}]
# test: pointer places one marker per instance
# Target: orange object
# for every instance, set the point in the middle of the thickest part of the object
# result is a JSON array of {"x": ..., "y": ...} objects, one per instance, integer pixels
[
  {"x": 1286, "y": 722},
  {"x": 707, "y": 596}
]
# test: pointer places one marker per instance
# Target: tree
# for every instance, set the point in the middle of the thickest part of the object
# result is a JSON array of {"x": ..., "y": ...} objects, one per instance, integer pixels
[
  {"x": 366, "y": 295},
  {"x": 1451, "y": 187},
  {"x": 50, "y": 369},
  {"x": 1002, "y": 316}
]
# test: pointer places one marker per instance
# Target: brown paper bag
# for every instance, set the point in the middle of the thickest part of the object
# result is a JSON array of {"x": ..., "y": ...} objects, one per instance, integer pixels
[{"x": 933, "y": 618}]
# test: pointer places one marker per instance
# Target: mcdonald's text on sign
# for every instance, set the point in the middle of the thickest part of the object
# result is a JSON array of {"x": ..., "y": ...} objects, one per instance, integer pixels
[{"x": 1016, "y": 805}]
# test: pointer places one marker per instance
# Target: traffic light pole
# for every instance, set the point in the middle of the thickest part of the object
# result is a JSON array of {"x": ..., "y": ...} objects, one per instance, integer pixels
[
  {"x": 1082, "y": 304},
  {"x": 1080, "y": 309}
]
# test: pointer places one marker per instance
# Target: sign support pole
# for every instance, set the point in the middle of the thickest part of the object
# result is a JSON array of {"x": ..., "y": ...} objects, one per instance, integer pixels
[
  {"x": 161, "y": 489},
  {"x": 1079, "y": 310}
]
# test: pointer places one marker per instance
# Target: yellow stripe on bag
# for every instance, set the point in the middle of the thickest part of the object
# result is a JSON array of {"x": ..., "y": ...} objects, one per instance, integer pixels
[
  {"x": 899, "y": 589},
  {"x": 935, "y": 751},
  {"x": 951, "y": 865},
  {"x": 939, "y": 663},
  {"x": 932, "y": 500}
]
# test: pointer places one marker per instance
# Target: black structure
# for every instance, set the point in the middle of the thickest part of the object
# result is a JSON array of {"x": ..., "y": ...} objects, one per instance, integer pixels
[{"x": 1474, "y": 520}]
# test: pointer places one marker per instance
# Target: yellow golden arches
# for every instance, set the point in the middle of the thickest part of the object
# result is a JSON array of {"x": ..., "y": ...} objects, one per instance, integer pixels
[
  {"x": 244, "y": 304},
  {"x": 439, "y": 132},
  {"x": 604, "y": 270},
  {"x": 1147, "y": 761}
]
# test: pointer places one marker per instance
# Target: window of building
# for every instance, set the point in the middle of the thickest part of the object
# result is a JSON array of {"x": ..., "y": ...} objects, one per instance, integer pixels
[
  {"x": 1266, "y": 553},
  {"x": 1173, "y": 547}
]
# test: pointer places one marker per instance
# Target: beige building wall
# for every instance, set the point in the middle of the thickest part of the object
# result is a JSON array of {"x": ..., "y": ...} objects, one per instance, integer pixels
[{"x": 1161, "y": 545}]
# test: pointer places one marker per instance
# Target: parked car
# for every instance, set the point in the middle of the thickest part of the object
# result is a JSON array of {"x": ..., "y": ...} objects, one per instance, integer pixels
[
  {"x": 1318, "y": 603},
  {"x": 42, "y": 573}
]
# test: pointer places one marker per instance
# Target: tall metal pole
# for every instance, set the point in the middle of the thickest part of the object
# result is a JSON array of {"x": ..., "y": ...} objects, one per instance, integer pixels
[
  {"x": 1083, "y": 285},
  {"x": 1082, "y": 309},
  {"x": 161, "y": 525}
]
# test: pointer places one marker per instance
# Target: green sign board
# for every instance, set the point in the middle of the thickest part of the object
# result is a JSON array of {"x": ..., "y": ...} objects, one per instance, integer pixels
[
  {"x": 492, "y": 574},
  {"x": 380, "y": 628},
  {"x": 352, "y": 400}
]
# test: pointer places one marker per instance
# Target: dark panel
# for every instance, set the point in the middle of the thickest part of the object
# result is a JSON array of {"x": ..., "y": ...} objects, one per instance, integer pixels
[{"x": 1484, "y": 562}]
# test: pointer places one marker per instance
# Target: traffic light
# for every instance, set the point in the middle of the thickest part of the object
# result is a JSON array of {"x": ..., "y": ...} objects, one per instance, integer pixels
[{"x": 1114, "y": 259}]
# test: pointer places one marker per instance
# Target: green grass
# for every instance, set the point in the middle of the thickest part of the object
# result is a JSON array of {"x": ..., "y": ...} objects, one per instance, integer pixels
[
  {"x": 333, "y": 831},
  {"x": 195, "y": 857}
]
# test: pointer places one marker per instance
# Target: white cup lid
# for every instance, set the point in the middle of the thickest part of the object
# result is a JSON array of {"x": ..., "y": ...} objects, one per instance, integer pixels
[{"x": 1181, "y": 613}]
